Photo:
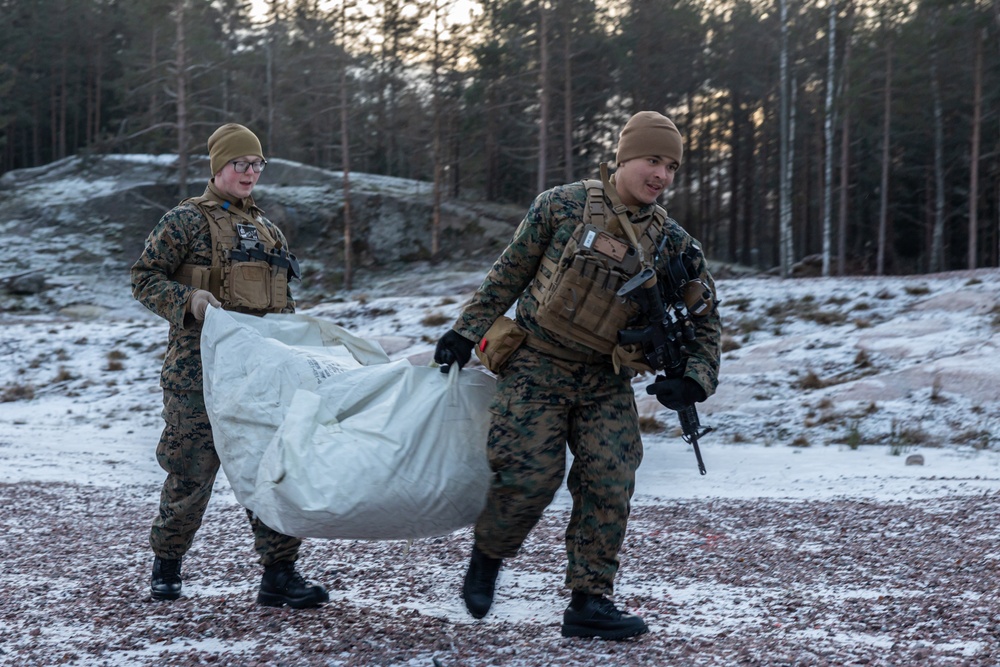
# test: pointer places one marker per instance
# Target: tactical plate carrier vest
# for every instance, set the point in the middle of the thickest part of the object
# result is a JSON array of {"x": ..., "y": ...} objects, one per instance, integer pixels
[
  {"x": 577, "y": 296},
  {"x": 250, "y": 270}
]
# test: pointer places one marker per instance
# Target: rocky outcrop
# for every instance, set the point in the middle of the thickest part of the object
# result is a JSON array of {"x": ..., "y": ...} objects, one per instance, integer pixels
[{"x": 95, "y": 211}]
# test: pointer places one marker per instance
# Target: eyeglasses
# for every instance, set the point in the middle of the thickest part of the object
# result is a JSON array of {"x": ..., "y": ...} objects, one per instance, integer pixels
[{"x": 241, "y": 166}]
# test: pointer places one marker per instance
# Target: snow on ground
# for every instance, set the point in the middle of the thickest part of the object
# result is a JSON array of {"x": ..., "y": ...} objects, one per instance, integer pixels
[{"x": 811, "y": 540}]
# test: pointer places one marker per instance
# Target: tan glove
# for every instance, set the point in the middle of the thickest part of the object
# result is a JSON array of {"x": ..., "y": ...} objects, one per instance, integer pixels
[{"x": 199, "y": 301}]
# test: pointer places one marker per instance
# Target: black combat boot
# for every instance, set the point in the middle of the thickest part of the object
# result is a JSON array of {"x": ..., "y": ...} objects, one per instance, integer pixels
[
  {"x": 282, "y": 585},
  {"x": 166, "y": 581},
  {"x": 480, "y": 582},
  {"x": 591, "y": 615}
]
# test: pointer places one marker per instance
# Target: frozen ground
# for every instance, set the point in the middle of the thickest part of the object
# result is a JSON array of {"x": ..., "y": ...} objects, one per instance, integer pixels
[{"x": 809, "y": 541}]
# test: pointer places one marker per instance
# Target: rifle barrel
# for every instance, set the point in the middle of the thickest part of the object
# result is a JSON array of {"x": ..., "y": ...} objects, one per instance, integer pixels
[{"x": 691, "y": 431}]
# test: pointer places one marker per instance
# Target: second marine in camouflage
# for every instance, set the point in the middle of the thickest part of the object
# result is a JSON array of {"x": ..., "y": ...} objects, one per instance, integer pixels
[
  {"x": 187, "y": 265},
  {"x": 554, "y": 390}
]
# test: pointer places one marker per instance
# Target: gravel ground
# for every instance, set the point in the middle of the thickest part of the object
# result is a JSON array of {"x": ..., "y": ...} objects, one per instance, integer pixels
[{"x": 720, "y": 582}]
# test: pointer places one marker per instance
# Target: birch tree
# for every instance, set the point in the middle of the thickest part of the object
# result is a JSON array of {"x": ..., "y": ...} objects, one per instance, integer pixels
[
  {"x": 544, "y": 94},
  {"x": 785, "y": 165},
  {"x": 937, "y": 234},
  {"x": 845, "y": 146},
  {"x": 828, "y": 121}
]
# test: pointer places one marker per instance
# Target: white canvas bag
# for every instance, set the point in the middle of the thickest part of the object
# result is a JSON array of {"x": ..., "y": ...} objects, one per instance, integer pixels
[{"x": 321, "y": 435}]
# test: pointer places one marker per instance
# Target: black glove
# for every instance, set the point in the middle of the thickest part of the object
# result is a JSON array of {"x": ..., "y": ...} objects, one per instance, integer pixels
[
  {"x": 676, "y": 393},
  {"x": 453, "y": 348}
]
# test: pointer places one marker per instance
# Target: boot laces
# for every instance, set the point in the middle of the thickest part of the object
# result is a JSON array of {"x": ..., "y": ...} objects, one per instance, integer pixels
[
  {"x": 607, "y": 607},
  {"x": 485, "y": 571},
  {"x": 170, "y": 569},
  {"x": 290, "y": 577}
]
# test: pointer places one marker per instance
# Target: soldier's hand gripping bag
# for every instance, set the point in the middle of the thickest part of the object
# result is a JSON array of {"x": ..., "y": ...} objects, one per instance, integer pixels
[
  {"x": 321, "y": 435},
  {"x": 501, "y": 340}
]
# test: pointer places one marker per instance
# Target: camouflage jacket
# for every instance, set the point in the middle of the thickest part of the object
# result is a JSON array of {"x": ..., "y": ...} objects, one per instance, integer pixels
[
  {"x": 547, "y": 226},
  {"x": 182, "y": 235}
]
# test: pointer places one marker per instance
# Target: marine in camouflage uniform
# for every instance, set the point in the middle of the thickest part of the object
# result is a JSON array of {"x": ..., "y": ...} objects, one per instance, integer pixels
[
  {"x": 186, "y": 450},
  {"x": 554, "y": 391}
]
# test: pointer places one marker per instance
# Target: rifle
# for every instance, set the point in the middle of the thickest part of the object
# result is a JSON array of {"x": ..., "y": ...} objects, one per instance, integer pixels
[{"x": 662, "y": 342}]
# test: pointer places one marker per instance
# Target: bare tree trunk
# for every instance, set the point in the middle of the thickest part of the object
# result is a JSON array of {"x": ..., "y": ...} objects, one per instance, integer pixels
[
  {"x": 996, "y": 17},
  {"x": 544, "y": 95},
  {"x": 99, "y": 86},
  {"x": 828, "y": 141},
  {"x": 977, "y": 112},
  {"x": 883, "y": 214},
  {"x": 89, "y": 91},
  {"x": 345, "y": 141},
  {"x": 734, "y": 181},
  {"x": 437, "y": 157},
  {"x": 54, "y": 115},
  {"x": 272, "y": 55},
  {"x": 154, "y": 99},
  {"x": 784, "y": 176},
  {"x": 845, "y": 151},
  {"x": 59, "y": 105},
  {"x": 788, "y": 230},
  {"x": 492, "y": 155},
  {"x": 937, "y": 239},
  {"x": 568, "y": 172},
  {"x": 180, "y": 57}
]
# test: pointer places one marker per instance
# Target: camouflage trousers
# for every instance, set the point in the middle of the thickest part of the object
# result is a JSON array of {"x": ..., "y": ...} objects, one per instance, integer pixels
[
  {"x": 186, "y": 451},
  {"x": 541, "y": 405}
]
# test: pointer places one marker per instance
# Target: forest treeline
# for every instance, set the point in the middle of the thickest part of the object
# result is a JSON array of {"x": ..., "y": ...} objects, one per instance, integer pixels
[{"x": 862, "y": 132}]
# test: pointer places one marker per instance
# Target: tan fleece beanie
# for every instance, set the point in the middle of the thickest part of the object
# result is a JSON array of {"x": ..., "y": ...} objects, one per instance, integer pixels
[
  {"x": 649, "y": 133},
  {"x": 230, "y": 142}
]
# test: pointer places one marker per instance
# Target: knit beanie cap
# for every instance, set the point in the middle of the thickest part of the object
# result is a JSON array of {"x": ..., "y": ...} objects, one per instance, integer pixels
[
  {"x": 230, "y": 142},
  {"x": 649, "y": 133}
]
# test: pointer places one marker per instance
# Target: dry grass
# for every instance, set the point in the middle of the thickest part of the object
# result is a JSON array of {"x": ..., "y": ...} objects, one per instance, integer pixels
[
  {"x": 826, "y": 317},
  {"x": 650, "y": 424},
  {"x": 902, "y": 438},
  {"x": 800, "y": 441},
  {"x": 115, "y": 361},
  {"x": 64, "y": 375},
  {"x": 745, "y": 325},
  {"x": 729, "y": 343},
  {"x": 740, "y": 305},
  {"x": 975, "y": 438},
  {"x": 810, "y": 381},
  {"x": 806, "y": 309},
  {"x": 17, "y": 392},
  {"x": 435, "y": 320}
]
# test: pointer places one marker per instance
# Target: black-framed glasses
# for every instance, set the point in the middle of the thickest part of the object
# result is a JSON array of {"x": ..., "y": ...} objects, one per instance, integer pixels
[{"x": 241, "y": 166}]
